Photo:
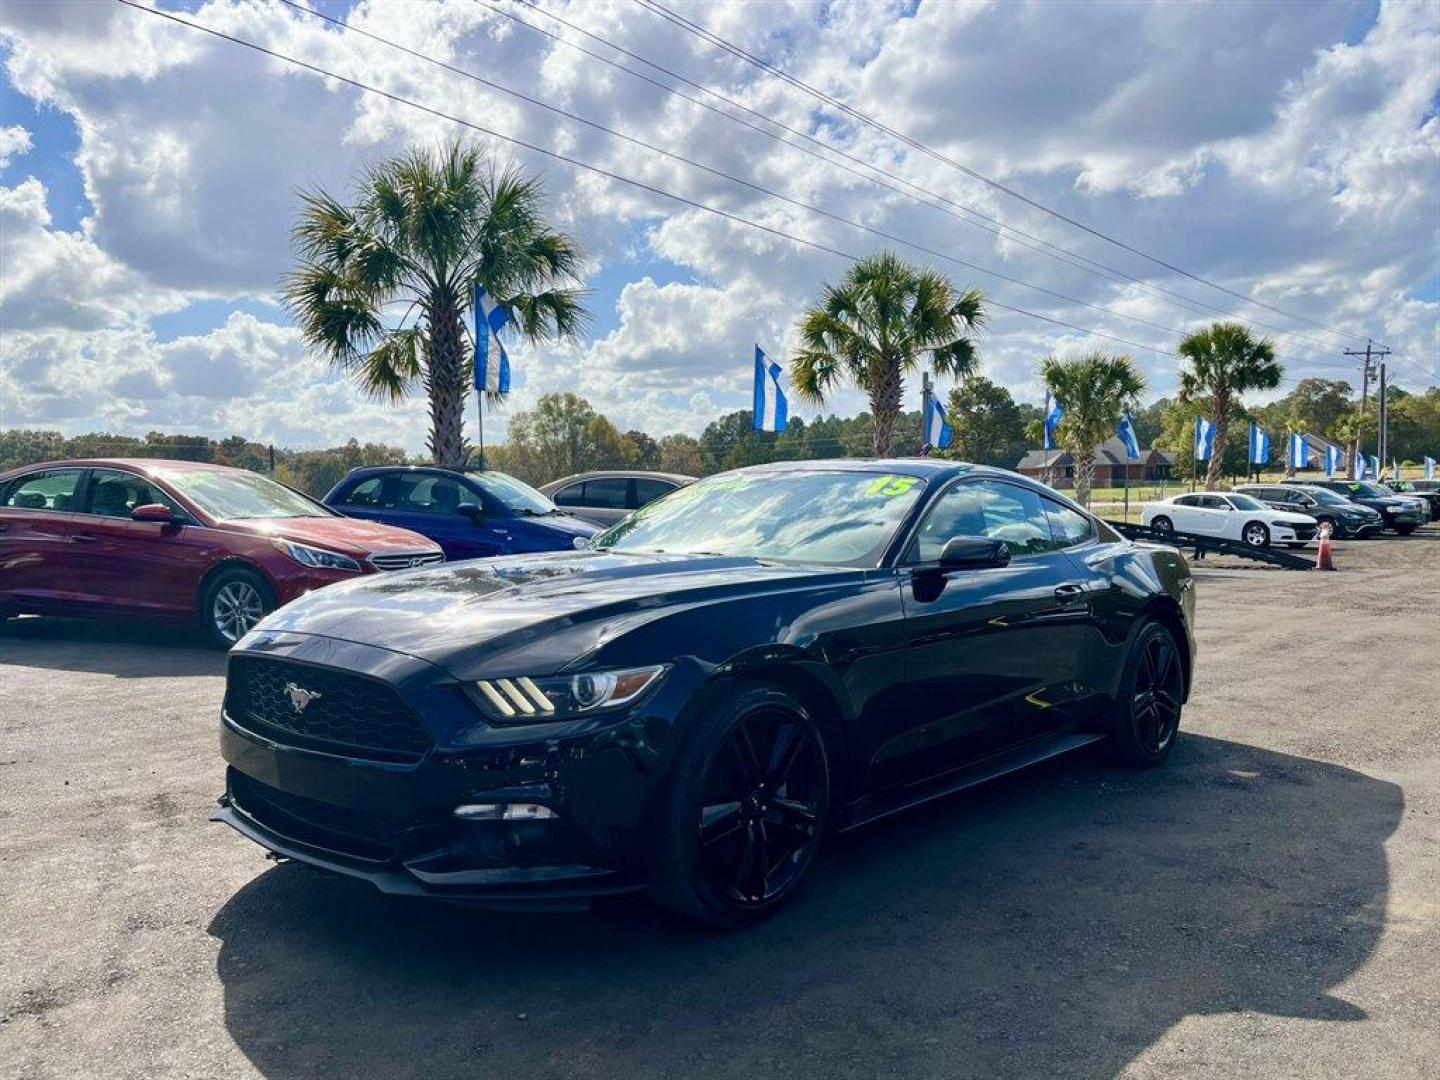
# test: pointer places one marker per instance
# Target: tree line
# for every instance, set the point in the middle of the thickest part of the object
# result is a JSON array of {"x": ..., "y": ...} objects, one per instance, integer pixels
[{"x": 564, "y": 434}]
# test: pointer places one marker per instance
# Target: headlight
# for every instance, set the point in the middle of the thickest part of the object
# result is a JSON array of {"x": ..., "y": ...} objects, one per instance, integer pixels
[
  {"x": 556, "y": 697},
  {"x": 318, "y": 558}
]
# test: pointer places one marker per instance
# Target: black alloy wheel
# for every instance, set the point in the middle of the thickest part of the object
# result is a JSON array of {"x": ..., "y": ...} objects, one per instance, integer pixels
[
  {"x": 750, "y": 800},
  {"x": 1163, "y": 524},
  {"x": 1147, "y": 716}
]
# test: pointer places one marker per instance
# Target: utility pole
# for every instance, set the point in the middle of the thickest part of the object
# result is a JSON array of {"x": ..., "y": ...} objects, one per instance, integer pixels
[
  {"x": 1371, "y": 354},
  {"x": 1384, "y": 420}
]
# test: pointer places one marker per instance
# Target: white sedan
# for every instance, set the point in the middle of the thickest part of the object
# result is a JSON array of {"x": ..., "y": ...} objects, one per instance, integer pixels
[{"x": 1229, "y": 516}]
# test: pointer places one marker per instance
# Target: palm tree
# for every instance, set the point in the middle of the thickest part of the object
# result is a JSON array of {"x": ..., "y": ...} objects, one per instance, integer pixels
[
  {"x": 1225, "y": 362},
  {"x": 877, "y": 325},
  {"x": 1094, "y": 390},
  {"x": 424, "y": 229}
]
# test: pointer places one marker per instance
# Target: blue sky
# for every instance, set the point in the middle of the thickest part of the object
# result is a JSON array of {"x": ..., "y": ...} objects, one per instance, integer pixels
[{"x": 148, "y": 177}]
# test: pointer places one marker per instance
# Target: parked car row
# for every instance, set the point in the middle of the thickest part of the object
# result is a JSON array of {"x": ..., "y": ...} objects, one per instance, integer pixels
[
  {"x": 1429, "y": 490},
  {"x": 1289, "y": 512},
  {"x": 187, "y": 540}
]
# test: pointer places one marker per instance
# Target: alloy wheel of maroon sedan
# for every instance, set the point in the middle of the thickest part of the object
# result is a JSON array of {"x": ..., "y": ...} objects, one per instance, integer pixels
[{"x": 178, "y": 539}]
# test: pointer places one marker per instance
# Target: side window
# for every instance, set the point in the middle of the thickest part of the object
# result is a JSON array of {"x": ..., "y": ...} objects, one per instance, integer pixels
[
  {"x": 1066, "y": 526},
  {"x": 1214, "y": 502},
  {"x": 573, "y": 495},
  {"x": 647, "y": 490},
  {"x": 369, "y": 492},
  {"x": 609, "y": 492},
  {"x": 115, "y": 494},
  {"x": 1188, "y": 500},
  {"x": 54, "y": 490},
  {"x": 430, "y": 494},
  {"x": 987, "y": 508}
]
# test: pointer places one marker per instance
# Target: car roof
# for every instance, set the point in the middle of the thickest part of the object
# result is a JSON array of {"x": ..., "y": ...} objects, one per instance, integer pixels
[
  {"x": 148, "y": 466},
  {"x": 605, "y": 474},
  {"x": 925, "y": 468}
]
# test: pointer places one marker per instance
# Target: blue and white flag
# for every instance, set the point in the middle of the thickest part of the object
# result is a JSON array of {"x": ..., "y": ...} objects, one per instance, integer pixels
[
  {"x": 1259, "y": 445},
  {"x": 1126, "y": 431},
  {"x": 1374, "y": 467},
  {"x": 492, "y": 365},
  {"x": 1299, "y": 451},
  {"x": 1334, "y": 459},
  {"x": 937, "y": 426},
  {"x": 771, "y": 408},
  {"x": 1429, "y": 468},
  {"x": 1394, "y": 469},
  {"x": 1054, "y": 413},
  {"x": 1204, "y": 439},
  {"x": 1359, "y": 466}
]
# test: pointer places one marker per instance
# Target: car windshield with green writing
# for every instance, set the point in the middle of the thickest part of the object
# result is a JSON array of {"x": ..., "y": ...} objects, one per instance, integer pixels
[{"x": 837, "y": 518}]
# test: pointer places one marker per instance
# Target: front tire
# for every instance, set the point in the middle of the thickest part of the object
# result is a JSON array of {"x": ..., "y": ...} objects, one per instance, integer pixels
[
  {"x": 231, "y": 603},
  {"x": 1162, "y": 524},
  {"x": 1255, "y": 534},
  {"x": 748, "y": 800},
  {"x": 1404, "y": 530},
  {"x": 1146, "y": 716}
]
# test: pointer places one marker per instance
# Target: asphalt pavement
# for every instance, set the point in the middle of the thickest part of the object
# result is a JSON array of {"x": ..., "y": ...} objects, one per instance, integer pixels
[{"x": 1266, "y": 904}]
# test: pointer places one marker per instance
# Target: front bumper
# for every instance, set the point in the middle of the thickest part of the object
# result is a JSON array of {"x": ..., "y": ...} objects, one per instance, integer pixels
[{"x": 393, "y": 823}]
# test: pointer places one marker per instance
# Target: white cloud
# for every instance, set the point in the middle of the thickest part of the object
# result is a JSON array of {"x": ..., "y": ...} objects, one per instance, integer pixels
[{"x": 1263, "y": 146}]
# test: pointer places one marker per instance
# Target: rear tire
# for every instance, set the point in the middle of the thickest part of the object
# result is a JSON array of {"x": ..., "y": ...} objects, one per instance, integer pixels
[
  {"x": 748, "y": 799},
  {"x": 231, "y": 602},
  {"x": 1145, "y": 718},
  {"x": 1404, "y": 530},
  {"x": 1162, "y": 524},
  {"x": 1255, "y": 534}
]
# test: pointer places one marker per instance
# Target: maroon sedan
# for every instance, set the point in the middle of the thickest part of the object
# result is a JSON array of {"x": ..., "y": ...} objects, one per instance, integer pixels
[{"x": 180, "y": 539}]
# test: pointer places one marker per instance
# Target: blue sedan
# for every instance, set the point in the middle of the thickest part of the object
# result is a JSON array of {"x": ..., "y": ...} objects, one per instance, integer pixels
[{"x": 470, "y": 514}]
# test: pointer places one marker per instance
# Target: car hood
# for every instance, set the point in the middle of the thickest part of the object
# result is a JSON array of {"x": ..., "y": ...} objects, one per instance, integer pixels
[
  {"x": 349, "y": 536},
  {"x": 1286, "y": 517},
  {"x": 568, "y": 524},
  {"x": 456, "y": 613}
]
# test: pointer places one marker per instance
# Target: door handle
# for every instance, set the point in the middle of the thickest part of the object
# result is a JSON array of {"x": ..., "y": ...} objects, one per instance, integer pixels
[
  {"x": 83, "y": 538},
  {"x": 1068, "y": 594}
]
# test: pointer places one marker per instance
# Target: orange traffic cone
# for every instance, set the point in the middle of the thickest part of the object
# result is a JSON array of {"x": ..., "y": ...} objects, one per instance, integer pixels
[{"x": 1323, "y": 559}]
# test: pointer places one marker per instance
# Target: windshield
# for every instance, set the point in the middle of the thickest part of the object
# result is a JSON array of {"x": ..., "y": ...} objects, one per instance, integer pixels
[
  {"x": 230, "y": 495},
  {"x": 1326, "y": 498},
  {"x": 837, "y": 518},
  {"x": 1245, "y": 502},
  {"x": 1369, "y": 490},
  {"x": 516, "y": 496}
]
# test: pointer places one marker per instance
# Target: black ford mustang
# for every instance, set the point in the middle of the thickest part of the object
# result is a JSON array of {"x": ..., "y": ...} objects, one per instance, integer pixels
[{"x": 690, "y": 705}]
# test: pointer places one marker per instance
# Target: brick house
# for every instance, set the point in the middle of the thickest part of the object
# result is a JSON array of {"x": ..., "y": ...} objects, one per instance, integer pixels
[{"x": 1057, "y": 467}]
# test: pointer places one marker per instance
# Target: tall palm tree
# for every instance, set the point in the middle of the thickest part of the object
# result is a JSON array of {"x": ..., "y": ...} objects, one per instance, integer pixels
[
  {"x": 1225, "y": 362},
  {"x": 424, "y": 229},
  {"x": 877, "y": 325},
  {"x": 1094, "y": 390}
]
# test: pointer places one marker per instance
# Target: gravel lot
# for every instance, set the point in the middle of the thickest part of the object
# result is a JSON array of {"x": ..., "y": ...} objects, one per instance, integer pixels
[{"x": 1266, "y": 904}]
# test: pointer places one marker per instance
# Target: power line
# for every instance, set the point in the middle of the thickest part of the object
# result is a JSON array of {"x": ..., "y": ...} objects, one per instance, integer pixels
[
  {"x": 1061, "y": 254},
  {"x": 721, "y": 43},
  {"x": 575, "y": 162},
  {"x": 588, "y": 167},
  {"x": 730, "y": 177}
]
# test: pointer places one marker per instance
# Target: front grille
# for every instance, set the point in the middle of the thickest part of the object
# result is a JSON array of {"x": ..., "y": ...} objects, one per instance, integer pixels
[
  {"x": 361, "y": 833},
  {"x": 323, "y": 709},
  {"x": 1304, "y": 532},
  {"x": 406, "y": 560}
]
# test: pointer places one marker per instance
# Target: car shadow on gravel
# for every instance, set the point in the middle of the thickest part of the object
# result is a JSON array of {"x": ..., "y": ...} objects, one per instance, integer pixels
[
  {"x": 1054, "y": 923},
  {"x": 125, "y": 648}
]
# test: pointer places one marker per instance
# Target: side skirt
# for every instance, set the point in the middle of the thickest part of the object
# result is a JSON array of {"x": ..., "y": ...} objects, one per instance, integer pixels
[{"x": 894, "y": 800}]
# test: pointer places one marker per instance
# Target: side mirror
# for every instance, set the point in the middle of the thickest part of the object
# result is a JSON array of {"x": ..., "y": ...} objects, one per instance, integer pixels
[
  {"x": 471, "y": 511},
  {"x": 153, "y": 512},
  {"x": 973, "y": 553}
]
